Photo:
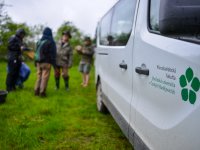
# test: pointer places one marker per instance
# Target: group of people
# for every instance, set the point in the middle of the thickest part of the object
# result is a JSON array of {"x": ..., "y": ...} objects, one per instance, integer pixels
[{"x": 48, "y": 53}]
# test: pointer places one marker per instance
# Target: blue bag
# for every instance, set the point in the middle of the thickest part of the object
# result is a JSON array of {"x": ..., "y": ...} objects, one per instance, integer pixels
[{"x": 23, "y": 73}]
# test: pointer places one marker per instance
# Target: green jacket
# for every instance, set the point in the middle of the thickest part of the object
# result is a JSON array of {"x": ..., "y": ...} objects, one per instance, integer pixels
[
  {"x": 64, "y": 55},
  {"x": 87, "y": 54}
]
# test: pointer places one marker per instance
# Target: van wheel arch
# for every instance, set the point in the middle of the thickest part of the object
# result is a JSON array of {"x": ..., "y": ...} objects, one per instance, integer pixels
[{"x": 101, "y": 107}]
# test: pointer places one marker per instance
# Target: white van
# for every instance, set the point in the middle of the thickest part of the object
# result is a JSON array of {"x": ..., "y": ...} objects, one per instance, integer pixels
[{"x": 148, "y": 72}]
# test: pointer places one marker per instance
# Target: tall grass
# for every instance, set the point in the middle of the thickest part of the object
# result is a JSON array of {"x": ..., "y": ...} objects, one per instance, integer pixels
[{"x": 63, "y": 120}]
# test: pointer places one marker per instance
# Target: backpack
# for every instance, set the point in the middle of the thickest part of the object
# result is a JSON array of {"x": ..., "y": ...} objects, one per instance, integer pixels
[{"x": 39, "y": 49}]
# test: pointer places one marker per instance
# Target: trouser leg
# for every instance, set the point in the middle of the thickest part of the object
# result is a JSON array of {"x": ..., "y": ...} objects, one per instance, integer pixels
[
  {"x": 57, "y": 77},
  {"x": 13, "y": 74},
  {"x": 46, "y": 68},
  {"x": 65, "y": 77},
  {"x": 9, "y": 83},
  {"x": 57, "y": 80},
  {"x": 39, "y": 78}
]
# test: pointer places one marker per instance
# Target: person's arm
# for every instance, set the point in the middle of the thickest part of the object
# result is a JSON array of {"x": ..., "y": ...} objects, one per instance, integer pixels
[
  {"x": 88, "y": 52},
  {"x": 24, "y": 47},
  {"x": 70, "y": 58},
  {"x": 54, "y": 55}
]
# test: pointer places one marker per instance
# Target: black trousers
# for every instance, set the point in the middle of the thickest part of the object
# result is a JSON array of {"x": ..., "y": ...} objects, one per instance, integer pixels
[{"x": 13, "y": 74}]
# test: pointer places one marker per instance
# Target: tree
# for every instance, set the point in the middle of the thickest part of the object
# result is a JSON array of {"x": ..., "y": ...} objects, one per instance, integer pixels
[
  {"x": 7, "y": 29},
  {"x": 36, "y": 31},
  {"x": 2, "y": 17},
  {"x": 2, "y": 11},
  {"x": 35, "y": 35}
]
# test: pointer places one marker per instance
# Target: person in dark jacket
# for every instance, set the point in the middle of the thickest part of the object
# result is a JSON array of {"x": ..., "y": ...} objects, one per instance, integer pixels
[
  {"x": 15, "y": 47},
  {"x": 47, "y": 58},
  {"x": 63, "y": 59},
  {"x": 87, "y": 52}
]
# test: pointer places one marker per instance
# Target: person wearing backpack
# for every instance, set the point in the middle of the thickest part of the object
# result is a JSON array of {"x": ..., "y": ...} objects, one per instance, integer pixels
[
  {"x": 45, "y": 57},
  {"x": 63, "y": 59}
]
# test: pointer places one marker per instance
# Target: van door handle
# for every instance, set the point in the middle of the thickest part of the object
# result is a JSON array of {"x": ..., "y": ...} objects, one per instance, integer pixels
[
  {"x": 140, "y": 70},
  {"x": 123, "y": 66}
]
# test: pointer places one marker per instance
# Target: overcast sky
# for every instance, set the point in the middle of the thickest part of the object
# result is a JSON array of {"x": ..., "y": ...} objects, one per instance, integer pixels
[{"x": 83, "y": 13}]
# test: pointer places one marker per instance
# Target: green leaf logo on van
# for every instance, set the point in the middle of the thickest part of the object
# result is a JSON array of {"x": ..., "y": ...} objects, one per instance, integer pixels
[{"x": 190, "y": 86}]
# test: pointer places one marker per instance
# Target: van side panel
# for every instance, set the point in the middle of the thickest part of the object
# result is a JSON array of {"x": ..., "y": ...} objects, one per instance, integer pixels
[{"x": 167, "y": 117}]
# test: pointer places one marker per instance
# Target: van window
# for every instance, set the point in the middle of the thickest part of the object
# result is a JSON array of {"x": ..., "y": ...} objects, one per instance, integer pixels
[
  {"x": 122, "y": 22},
  {"x": 105, "y": 28},
  {"x": 154, "y": 15},
  {"x": 154, "y": 11}
]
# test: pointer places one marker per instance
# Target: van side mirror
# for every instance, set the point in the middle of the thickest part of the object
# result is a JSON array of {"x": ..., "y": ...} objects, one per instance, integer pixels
[{"x": 179, "y": 16}]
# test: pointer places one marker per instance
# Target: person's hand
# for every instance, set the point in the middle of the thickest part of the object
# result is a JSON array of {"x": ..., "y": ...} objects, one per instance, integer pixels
[
  {"x": 24, "y": 48},
  {"x": 84, "y": 51},
  {"x": 78, "y": 48}
]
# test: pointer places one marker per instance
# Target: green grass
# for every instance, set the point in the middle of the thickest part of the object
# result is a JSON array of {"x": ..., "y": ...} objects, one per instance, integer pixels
[{"x": 63, "y": 120}]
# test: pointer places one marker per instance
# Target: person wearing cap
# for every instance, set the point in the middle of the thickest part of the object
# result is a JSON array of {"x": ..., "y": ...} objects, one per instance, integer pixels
[
  {"x": 86, "y": 52},
  {"x": 15, "y": 48},
  {"x": 63, "y": 60},
  {"x": 47, "y": 58}
]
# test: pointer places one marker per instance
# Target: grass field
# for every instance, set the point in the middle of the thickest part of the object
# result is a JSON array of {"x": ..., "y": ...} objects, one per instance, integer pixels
[{"x": 63, "y": 120}]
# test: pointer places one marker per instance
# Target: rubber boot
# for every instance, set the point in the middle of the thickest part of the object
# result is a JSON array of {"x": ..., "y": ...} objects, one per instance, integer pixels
[
  {"x": 37, "y": 92},
  {"x": 43, "y": 95},
  {"x": 57, "y": 83},
  {"x": 66, "y": 79}
]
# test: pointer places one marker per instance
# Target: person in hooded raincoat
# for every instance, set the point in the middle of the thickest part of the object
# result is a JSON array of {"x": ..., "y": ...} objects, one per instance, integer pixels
[
  {"x": 45, "y": 58},
  {"x": 15, "y": 48}
]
